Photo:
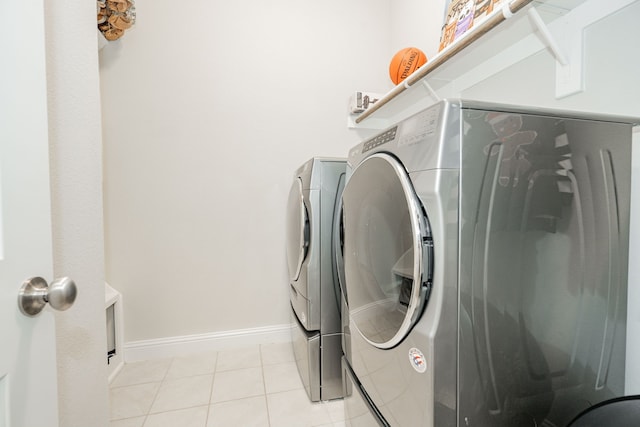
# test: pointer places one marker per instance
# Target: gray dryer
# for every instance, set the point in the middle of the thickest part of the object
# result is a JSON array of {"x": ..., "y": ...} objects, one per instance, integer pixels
[{"x": 313, "y": 278}]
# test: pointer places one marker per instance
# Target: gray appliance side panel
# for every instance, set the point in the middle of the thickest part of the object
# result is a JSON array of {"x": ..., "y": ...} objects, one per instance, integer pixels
[
  {"x": 323, "y": 166},
  {"x": 306, "y": 350},
  {"x": 331, "y": 372},
  {"x": 300, "y": 305},
  {"x": 438, "y": 192},
  {"x": 543, "y": 266},
  {"x": 329, "y": 304}
]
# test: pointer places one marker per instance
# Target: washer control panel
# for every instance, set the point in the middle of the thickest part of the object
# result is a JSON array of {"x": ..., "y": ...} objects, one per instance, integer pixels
[{"x": 383, "y": 138}]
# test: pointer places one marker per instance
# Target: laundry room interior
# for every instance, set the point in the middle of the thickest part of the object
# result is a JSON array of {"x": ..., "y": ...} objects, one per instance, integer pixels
[{"x": 206, "y": 110}]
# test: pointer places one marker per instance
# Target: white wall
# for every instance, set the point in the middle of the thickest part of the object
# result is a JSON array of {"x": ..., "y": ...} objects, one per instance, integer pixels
[
  {"x": 76, "y": 175},
  {"x": 416, "y": 23},
  {"x": 611, "y": 65},
  {"x": 208, "y": 108}
]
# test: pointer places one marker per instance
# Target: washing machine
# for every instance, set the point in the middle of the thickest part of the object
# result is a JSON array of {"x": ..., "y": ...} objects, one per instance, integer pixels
[
  {"x": 313, "y": 276},
  {"x": 485, "y": 255}
]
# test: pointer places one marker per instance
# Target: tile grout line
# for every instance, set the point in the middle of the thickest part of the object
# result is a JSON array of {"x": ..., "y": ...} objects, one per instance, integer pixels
[
  {"x": 164, "y": 377},
  {"x": 213, "y": 380},
  {"x": 264, "y": 386},
  {"x": 209, "y": 411}
]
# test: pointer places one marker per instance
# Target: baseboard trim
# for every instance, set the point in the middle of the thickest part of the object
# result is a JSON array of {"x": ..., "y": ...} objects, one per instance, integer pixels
[{"x": 182, "y": 345}]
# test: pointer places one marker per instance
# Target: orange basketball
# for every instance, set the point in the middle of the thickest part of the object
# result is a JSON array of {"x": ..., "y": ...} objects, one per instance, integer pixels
[{"x": 405, "y": 62}]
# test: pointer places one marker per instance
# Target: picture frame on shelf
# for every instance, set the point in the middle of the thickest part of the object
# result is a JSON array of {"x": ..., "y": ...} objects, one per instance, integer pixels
[{"x": 460, "y": 17}]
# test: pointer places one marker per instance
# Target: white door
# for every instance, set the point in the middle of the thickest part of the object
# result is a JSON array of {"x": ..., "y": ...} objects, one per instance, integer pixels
[{"x": 28, "y": 387}]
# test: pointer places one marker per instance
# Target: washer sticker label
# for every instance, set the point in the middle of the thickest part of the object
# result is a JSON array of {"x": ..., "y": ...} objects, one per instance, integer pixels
[{"x": 417, "y": 360}]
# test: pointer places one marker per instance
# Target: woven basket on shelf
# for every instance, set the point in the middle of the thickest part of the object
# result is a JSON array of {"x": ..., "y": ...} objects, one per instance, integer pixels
[{"x": 115, "y": 17}]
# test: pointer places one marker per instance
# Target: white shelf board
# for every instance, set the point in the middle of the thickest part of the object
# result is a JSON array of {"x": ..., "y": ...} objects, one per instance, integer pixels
[{"x": 510, "y": 42}]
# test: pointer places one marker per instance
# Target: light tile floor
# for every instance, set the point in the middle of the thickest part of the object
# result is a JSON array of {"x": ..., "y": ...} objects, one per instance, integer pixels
[{"x": 255, "y": 386}]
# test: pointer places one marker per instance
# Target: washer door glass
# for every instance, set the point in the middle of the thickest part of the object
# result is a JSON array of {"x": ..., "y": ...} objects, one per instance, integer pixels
[
  {"x": 297, "y": 230},
  {"x": 387, "y": 251}
]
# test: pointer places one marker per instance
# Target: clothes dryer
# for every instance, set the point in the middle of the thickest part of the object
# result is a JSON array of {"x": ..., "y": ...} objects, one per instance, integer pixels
[
  {"x": 485, "y": 253},
  {"x": 313, "y": 282}
]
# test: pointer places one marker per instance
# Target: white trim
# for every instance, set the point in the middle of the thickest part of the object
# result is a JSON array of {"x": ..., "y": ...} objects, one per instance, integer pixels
[
  {"x": 113, "y": 297},
  {"x": 182, "y": 345}
]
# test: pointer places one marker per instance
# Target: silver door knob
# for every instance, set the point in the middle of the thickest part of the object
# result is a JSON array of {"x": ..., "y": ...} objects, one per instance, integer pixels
[{"x": 35, "y": 294}]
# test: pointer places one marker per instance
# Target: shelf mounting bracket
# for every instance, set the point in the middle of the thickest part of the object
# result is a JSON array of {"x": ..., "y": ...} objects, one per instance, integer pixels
[
  {"x": 569, "y": 68},
  {"x": 432, "y": 92}
]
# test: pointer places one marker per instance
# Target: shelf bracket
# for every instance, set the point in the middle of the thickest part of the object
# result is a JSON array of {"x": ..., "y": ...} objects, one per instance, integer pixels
[
  {"x": 432, "y": 92},
  {"x": 569, "y": 68},
  {"x": 547, "y": 37}
]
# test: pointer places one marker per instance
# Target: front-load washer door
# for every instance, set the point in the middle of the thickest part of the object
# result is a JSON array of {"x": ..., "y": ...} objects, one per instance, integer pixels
[
  {"x": 297, "y": 230},
  {"x": 337, "y": 247},
  {"x": 387, "y": 251}
]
